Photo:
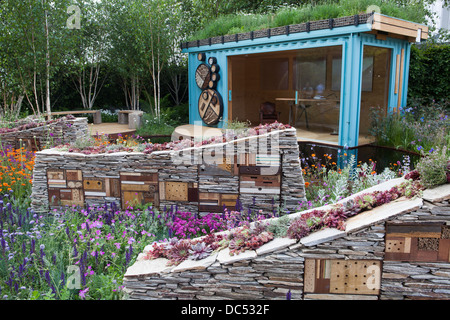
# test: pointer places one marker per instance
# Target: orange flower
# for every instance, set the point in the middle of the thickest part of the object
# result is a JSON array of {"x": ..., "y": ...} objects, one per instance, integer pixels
[{"x": 306, "y": 184}]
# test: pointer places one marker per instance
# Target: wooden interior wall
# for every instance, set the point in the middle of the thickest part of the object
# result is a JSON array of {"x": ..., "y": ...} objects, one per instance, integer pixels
[
  {"x": 378, "y": 96},
  {"x": 251, "y": 78}
]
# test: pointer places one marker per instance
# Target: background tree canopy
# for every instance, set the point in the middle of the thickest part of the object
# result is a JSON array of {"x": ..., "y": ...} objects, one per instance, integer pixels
[{"x": 126, "y": 53}]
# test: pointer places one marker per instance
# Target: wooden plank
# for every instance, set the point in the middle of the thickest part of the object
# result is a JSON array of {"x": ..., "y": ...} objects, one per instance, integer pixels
[
  {"x": 193, "y": 195},
  {"x": 135, "y": 187},
  {"x": 260, "y": 190},
  {"x": 444, "y": 250},
  {"x": 400, "y": 89},
  {"x": 404, "y": 25},
  {"x": 147, "y": 177},
  {"x": 309, "y": 277},
  {"x": 209, "y": 208},
  {"x": 162, "y": 190},
  {"x": 131, "y": 198},
  {"x": 429, "y": 230},
  {"x": 114, "y": 187},
  {"x": 228, "y": 200},
  {"x": 397, "y": 73},
  {"x": 65, "y": 194}
]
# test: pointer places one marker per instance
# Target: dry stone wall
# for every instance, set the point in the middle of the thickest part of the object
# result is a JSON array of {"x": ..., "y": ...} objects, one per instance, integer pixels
[
  {"x": 329, "y": 264},
  {"x": 258, "y": 172},
  {"x": 59, "y": 132}
]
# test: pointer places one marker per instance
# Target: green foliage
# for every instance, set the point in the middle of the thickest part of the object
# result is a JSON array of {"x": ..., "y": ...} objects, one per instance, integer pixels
[
  {"x": 421, "y": 126},
  {"x": 286, "y": 15},
  {"x": 279, "y": 226},
  {"x": 433, "y": 167},
  {"x": 429, "y": 70}
]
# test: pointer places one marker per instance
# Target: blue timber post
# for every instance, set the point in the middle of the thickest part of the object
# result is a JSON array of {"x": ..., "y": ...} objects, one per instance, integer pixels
[{"x": 349, "y": 129}]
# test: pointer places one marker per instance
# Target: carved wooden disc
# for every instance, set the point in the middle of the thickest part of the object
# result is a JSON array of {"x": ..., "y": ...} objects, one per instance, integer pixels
[
  {"x": 202, "y": 76},
  {"x": 210, "y": 106}
]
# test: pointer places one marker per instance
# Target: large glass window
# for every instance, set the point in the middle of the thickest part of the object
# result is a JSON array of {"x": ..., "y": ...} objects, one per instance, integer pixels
[
  {"x": 374, "y": 87},
  {"x": 318, "y": 85},
  {"x": 304, "y": 85}
]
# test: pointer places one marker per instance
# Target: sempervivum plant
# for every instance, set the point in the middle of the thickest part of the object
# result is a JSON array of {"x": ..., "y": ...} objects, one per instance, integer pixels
[
  {"x": 179, "y": 252},
  {"x": 200, "y": 251},
  {"x": 248, "y": 238}
]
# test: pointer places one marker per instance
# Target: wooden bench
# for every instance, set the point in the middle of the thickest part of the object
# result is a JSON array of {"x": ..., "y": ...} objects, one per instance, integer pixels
[
  {"x": 131, "y": 117},
  {"x": 97, "y": 114}
]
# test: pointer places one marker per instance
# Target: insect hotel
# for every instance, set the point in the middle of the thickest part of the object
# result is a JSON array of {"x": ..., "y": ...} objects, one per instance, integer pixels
[{"x": 322, "y": 77}]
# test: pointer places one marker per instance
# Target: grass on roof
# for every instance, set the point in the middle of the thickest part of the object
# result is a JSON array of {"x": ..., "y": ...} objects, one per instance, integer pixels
[{"x": 239, "y": 23}]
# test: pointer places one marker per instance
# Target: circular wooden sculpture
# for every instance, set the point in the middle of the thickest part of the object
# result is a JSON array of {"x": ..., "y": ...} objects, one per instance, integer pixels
[
  {"x": 212, "y": 60},
  {"x": 202, "y": 76},
  {"x": 215, "y": 68},
  {"x": 201, "y": 56},
  {"x": 210, "y": 106}
]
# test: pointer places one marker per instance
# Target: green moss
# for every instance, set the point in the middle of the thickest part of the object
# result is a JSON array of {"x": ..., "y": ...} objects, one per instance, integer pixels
[{"x": 231, "y": 24}]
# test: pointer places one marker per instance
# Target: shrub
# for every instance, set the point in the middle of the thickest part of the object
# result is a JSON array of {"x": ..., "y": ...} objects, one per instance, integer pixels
[{"x": 433, "y": 168}]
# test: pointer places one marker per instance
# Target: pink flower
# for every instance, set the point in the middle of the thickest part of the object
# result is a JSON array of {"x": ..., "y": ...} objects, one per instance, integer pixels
[{"x": 83, "y": 292}]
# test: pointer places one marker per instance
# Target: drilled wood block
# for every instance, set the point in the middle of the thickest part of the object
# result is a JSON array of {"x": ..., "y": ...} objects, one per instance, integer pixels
[
  {"x": 310, "y": 275},
  {"x": 77, "y": 195},
  {"x": 355, "y": 276},
  {"x": 398, "y": 244},
  {"x": 176, "y": 191},
  {"x": 93, "y": 184},
  {"x": 249, "y": 170}
]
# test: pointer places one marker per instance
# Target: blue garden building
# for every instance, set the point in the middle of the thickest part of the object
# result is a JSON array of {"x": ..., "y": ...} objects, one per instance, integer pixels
[{"x": 326, "y": 78}]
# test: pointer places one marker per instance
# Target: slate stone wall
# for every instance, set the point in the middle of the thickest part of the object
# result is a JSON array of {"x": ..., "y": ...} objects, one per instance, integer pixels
[
  {"x": 259, "y": 172},
  {"x": 354, "y": 265}
]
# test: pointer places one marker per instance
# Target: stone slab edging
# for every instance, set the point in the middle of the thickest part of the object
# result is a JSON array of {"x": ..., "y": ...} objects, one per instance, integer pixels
[
  {"x": 360, "y": 221},
  {"x": 437, "y": 194}
]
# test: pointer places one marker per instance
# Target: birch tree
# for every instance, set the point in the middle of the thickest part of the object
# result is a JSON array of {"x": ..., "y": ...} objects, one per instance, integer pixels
[
  {"x": 35, "y": 43},
  {"x": 90, "y": 53}
]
